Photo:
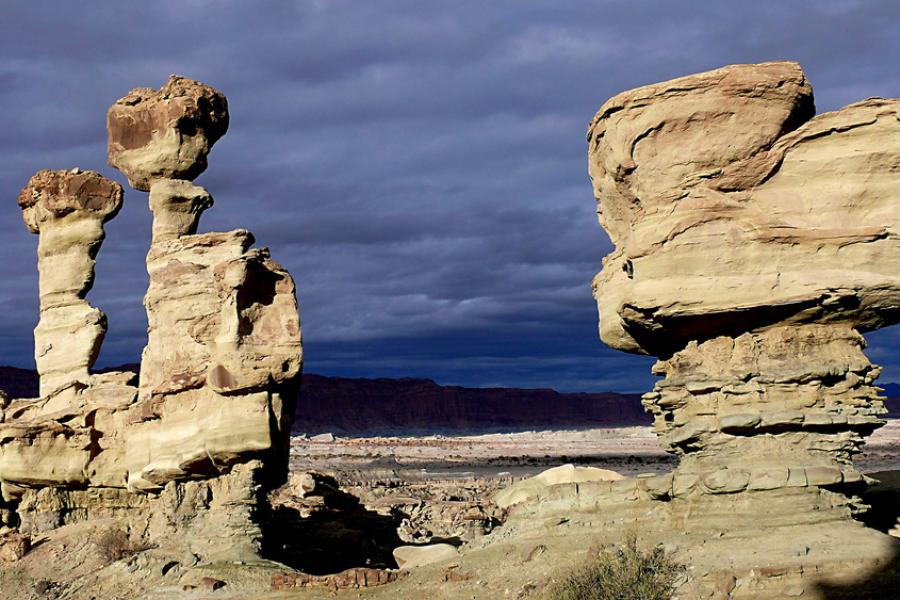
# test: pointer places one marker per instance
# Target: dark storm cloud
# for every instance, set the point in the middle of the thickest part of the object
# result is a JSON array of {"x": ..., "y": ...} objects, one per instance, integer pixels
[{"x": 418, "y": 166}]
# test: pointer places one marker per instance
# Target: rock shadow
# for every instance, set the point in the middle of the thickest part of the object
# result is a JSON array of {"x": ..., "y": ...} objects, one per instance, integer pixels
[
  {"x": 329, "y": 531},
  {"x": 884, "y": 515}
]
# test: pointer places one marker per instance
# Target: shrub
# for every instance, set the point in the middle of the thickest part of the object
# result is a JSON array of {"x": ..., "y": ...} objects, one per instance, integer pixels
[
  {"x": 114, "y": 544},
  {"x": 620, "y": 573}
]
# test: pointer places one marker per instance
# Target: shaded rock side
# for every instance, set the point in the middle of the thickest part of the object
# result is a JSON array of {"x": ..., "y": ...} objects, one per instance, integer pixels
[
  {"x": 67, "y": 209},
  {"x": 165, "y": 133}
]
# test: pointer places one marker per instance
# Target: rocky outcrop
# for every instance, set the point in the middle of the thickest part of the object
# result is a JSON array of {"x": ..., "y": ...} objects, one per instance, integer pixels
[
  {"x": 67, "y": 209},
  {"x": 183, "y": 454},
  {"x": 749, "y": 261},
  {"x": 754, "y": 241}
]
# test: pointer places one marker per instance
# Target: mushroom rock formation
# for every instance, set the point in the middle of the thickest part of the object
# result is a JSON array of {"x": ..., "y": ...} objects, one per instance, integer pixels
[
  {"x": 68, "y": 209},
  {"x": 219, "y": 372},
  {"x": 754, "y": 242}
]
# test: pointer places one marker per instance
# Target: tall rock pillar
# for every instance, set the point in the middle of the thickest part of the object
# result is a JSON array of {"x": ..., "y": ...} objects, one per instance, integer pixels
[{"x": 68, "y": 209}]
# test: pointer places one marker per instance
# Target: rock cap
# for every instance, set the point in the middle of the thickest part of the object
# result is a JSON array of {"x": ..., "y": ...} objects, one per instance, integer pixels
[
  {"x": 165, "y": 133},
  {"x": 55, "y": 194}
]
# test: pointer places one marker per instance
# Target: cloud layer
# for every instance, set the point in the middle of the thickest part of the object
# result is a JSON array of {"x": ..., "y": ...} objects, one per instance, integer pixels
[{"x": 419, "y": 167}]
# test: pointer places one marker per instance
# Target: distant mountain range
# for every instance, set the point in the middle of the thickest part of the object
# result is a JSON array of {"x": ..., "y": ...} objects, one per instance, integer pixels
[{"x": 421, "y": 406}]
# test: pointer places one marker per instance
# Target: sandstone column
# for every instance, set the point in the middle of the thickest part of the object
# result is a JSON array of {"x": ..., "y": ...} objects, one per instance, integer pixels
[
  {"x": 219, "y": 373},
  {"x": 68, "y": 209}
]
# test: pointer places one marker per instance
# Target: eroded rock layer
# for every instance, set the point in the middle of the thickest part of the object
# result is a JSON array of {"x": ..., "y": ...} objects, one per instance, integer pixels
[
  {"x": 733, "y": 208},
  {"x": 754, "y": 241},
  {"x": 765, "y": 408},
  {"x": 67, "y": 209}
]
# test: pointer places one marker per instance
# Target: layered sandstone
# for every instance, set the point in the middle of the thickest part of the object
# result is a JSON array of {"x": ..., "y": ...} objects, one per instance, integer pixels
[
  {"x": 733, "y": 208},
  {"x": 218, "y": 374},
  {"x": 754, "y": 242}
]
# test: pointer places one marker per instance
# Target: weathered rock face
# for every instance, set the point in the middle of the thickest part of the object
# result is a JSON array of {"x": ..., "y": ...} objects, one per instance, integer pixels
[
  {"x": 68, "y": 209},
  {"x": 764, "y": 408},
  {"x": 753, "y": 243},
  {"x": 176, "y": 205},
  {"x": 206, "y": 426},
  {"x": 731, "y": 208},
  {"x": 165, "y": 133},
  {"x": 739, "y": 218},
  {"x": 218, "y": 375}
]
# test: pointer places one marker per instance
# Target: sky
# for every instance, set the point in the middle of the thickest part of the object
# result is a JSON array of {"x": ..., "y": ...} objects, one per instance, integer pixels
[{"x": 418, "y": 166}]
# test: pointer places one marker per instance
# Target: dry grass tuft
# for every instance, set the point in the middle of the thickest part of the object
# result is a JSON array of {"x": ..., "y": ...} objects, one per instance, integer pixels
[
  {"x": 620, "y": 573},
  {"x": 114, "y": 544}
]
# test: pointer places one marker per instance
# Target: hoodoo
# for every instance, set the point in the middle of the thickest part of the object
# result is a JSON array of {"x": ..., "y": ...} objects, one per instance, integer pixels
[
  {"x": 183, "y": 457},
  {"x": 754, "y": 243}
]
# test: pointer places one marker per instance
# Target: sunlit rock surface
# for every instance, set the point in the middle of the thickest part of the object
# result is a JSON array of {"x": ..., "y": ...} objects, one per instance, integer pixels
[
  {"x": 165, "y": 133},
  {"x": 754, "y": 242},
  {"x": 68, "y": 209},
  {"x": 184, "y": 453}
]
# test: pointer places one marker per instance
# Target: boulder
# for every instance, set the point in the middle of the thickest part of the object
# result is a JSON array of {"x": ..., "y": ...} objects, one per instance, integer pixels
[
  {"x": 165, "y": 133},
  {"x": 14, "y": 546},
  {"x": 532, "y": 487},
  {"x": 410, "y": 557}
]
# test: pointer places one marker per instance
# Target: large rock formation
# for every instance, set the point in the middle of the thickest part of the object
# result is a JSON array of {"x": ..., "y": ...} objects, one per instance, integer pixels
[
  {"x": 185, "y": 454},
  {"x": 754, "y": 241}
]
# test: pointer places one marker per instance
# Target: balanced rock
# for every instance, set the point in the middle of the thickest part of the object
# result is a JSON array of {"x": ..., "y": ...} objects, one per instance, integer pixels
[
  {"x": 165, "y": 133},
  {"x": 205, "y": 424},
  {"x": 68, "y": 209},
  {"x": 753, "y": 241}
]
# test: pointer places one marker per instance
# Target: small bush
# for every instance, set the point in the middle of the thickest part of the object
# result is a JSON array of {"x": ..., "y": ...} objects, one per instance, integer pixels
[
  {"x": 114, "y": 544},
  {"x": 620, "y": 573}
]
